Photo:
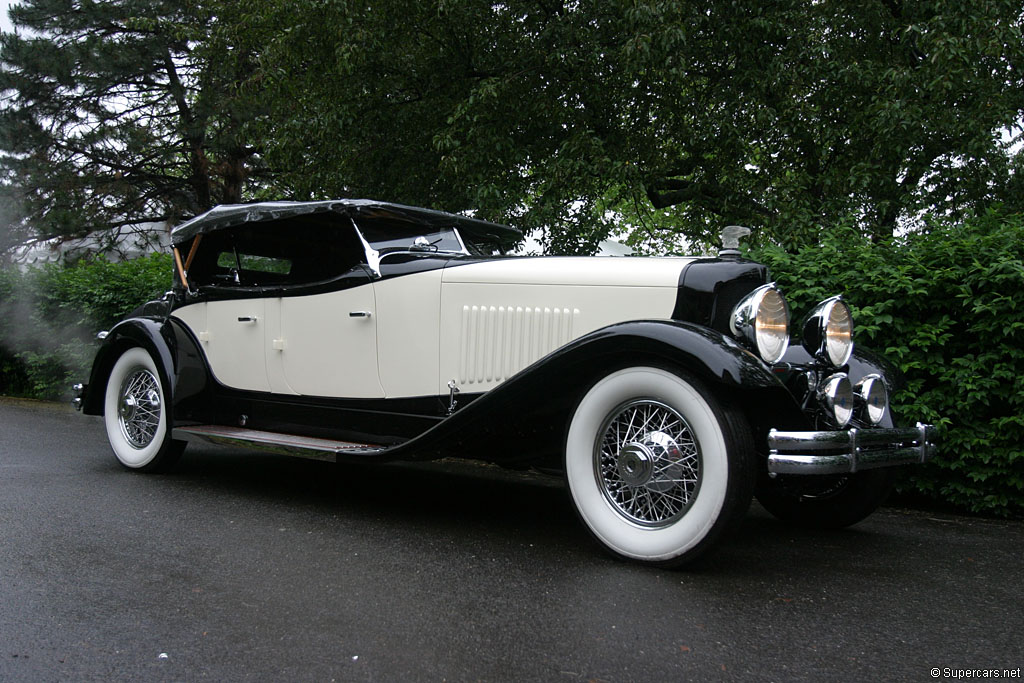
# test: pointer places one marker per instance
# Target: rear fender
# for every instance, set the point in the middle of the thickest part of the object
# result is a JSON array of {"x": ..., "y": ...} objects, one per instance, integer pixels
[{"x": 171, "y": 347}]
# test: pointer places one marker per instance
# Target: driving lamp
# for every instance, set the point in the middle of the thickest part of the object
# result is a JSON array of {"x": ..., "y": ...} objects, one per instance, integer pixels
[
  {"x": 762, "y": 320},
  {"x": 828, "y": 332}
]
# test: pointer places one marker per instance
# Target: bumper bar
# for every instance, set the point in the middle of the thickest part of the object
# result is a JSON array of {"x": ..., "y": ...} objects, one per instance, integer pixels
[
  {"x": 79, "y": 393},
  {"x": 847, "y": 451}
]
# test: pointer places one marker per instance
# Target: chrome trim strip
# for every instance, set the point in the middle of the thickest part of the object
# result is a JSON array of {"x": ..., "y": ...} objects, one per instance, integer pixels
[{"x": 848, "y": 451}]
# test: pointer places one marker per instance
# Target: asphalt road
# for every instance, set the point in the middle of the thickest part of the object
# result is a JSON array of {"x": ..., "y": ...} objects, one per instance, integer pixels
[{"x": 241, "y": 566}]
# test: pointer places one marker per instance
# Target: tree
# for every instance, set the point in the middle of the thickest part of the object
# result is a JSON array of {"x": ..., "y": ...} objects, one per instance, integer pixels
[
  {"x": 681, "y": 117},
  {"x": 113, "y": 116}
]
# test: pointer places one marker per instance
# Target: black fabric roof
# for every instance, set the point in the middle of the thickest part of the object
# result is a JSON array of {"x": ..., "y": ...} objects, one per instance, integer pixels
[{"x": 229, "y": 215}]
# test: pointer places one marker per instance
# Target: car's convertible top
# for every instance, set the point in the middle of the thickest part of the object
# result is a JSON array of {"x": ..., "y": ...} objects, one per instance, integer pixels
[{"x": 230, "y": 215}]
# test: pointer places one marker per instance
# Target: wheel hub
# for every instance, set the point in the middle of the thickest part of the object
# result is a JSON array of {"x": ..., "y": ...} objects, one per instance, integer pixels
[
  {"x": 637, "y": 459},
  {"x": 128, "y": 407},
  {"x": 139, "y": 408},
  {"x": 635, "y": 464}
]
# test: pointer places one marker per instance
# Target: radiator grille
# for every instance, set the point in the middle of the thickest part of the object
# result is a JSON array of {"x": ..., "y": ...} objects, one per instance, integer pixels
[{"x": 499, "y": 341}]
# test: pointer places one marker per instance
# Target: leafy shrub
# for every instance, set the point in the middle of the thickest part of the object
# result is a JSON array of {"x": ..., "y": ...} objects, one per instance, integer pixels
[
  {"x": 49, "y": 317},
  {"x": 947, "y": 307}
]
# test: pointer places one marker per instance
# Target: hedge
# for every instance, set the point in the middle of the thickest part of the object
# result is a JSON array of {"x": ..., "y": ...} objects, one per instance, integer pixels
[
  {"x": 945, "y": 305},
  {"x": 49, "y": 317}
]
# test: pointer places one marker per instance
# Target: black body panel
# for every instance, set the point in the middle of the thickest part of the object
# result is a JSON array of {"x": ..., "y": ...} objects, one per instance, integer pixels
[
  {"x": 152, "y": 334},
  {"x": 523, "y": 421},
  {"x": 710, "y": 288}
]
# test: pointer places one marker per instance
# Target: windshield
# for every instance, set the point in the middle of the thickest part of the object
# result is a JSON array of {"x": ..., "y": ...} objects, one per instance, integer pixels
[{"x": 391, "y": 236}]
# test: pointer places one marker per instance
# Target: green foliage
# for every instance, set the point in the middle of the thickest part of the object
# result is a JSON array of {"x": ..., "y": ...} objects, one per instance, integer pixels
[
  {"x": 119, "y": 113},
  {"x": 49, "y": 317},
  {"x": 675, "y": 118},
  {"x": 946, "y": 305},
  {"x": 679, "y": 117}
]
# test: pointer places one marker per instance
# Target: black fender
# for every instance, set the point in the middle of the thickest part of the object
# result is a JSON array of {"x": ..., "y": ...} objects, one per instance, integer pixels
[
  {"x": 523, "y": 419},
  {"x": 178, "y": 359}
]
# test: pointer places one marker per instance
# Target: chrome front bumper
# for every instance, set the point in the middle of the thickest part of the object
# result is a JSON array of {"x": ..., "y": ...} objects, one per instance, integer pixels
[{"x": 846, "y": 451}]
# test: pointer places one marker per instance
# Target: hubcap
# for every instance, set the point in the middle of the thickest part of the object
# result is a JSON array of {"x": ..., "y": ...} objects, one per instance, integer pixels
[
  {"x": 139, "y": 408},
  {"x": 648, "y": 463}
]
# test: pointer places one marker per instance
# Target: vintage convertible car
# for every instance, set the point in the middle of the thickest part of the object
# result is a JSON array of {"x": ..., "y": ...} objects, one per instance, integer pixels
[{"x": 665, "y": 389}]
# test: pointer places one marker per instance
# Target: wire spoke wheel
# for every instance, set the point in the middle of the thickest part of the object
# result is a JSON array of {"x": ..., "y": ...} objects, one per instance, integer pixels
[
  {"x": 648, "y": 463},
  {"x": 139, "y": 408},
  {"x": 136, "y": 414},
  {"x": 657, "y": 467}
]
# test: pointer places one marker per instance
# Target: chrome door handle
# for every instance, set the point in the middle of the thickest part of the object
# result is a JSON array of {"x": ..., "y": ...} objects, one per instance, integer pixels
[
  {"x": 247, "y": 319},
  {"x": 359, "y": 314}
]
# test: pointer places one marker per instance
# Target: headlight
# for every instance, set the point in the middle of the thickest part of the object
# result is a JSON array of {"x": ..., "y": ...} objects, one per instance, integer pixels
[
  {"x": 828, "y": 332},
  {"x": 872, "y": 398},
  {"x": 836, "y": 395},
  {"x": 762, "y": 320}
]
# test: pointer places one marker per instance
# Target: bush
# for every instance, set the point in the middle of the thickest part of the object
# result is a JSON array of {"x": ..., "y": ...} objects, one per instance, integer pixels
[
  {"x": 947, "y": 307},
  {"x": 50, "y": 316}
]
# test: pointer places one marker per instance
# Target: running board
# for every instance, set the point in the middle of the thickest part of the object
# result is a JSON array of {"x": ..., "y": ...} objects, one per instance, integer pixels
[{"x": 273, "y": 442}]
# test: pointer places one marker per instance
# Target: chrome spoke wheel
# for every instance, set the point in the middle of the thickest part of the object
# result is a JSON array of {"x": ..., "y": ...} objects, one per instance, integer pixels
[
  {"x": 136, "y": 413},
  {"x": 658, "y": 469},
  {"x": 648, "y": 463},
  {"x": 139, "y": 407}
]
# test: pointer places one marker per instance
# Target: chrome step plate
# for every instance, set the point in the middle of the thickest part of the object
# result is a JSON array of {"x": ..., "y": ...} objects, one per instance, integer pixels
[{"x": 273, "y": 442}]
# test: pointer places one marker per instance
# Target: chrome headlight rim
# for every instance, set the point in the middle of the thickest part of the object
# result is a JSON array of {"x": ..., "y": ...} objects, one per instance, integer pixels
[
  {"x": 836, "y": 397},
  {"x": 872, "y": 399},
  {"x": 828, "y": 332},
  {"x": 761, "y": 320}
]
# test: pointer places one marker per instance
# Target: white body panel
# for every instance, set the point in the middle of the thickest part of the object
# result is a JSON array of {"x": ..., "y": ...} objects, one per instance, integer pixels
[
  {"x": 574, "y": 270},
  {"x": 327, "y": 352},
  {"x": 477, "y": 324},
  {"x": 499, "y": 317},
  {"x": 305, "y": 345},
  {"x": 235, "y": 349},
  {"x": 409, "y": 308}
]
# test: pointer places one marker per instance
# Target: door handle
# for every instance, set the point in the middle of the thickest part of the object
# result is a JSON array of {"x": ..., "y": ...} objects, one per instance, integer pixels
[
  {"x": 247, "y": 319},
  {"x": 359, "y": 314}
]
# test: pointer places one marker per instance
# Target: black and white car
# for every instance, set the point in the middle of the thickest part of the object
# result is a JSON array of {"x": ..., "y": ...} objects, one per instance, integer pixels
[{"x": 665, "y": 389}]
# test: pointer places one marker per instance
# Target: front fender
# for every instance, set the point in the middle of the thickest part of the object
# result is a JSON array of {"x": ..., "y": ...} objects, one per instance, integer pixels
[{"x": 533, "y": 407}]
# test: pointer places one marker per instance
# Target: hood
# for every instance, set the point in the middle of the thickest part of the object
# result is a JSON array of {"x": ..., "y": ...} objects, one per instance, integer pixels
[{"x": 591, "y": 271}]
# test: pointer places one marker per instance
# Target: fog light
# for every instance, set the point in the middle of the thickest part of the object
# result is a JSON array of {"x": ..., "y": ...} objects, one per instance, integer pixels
[
  {"x": 872, "y": 398},
  {"x": 836, "y": 395}
]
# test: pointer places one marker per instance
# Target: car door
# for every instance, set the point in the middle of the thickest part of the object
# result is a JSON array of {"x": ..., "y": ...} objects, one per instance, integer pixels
[
  {"x": 328, "y": 341},
  {"x": 231, "y": 332},
  {"x": 286, "y": 306}
]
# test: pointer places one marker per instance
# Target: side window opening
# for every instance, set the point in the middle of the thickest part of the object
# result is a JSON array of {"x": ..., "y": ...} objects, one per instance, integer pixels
[
  {"x": 253, "y": 262},
  {"x": 296, "y": 251}
]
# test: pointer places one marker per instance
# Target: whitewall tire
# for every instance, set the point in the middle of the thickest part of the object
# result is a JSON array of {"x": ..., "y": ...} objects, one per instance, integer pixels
[
  {"x": 658, "y": 468},
  {"x": 135, "y": 413}
]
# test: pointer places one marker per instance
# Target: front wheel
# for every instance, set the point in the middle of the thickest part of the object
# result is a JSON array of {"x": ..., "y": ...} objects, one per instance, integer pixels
[
  {"x": 136, "y": 414},
  {"x": 832, "y": 502},
  {"x": 657, "y": 467}
]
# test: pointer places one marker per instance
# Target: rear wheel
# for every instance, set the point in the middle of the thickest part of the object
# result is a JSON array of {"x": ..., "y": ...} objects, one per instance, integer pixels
[
  {"x": 136, "y": 414},
  {"x": 658, "y": 468}
]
